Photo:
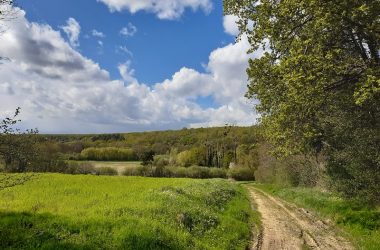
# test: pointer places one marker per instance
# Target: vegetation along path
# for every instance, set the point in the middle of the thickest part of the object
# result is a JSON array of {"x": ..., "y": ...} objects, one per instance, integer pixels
[{"x": 285, "y": 226}]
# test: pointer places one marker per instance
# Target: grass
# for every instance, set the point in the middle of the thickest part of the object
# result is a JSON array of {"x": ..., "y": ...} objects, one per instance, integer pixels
[
  {"x": 54, "y": 211},
  {"x": 120, "y": 167},
  {"x": 362, "y": 223}
]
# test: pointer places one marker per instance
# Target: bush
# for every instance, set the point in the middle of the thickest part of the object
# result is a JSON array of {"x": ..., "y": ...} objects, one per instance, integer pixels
[
  {"x": 106, "y": 171},
  {"x": 218, "y": 173},
  {"x": 161, "y": 160},
  {"x": 108, "y": 154},
  {"x": 145, "y": 171},
  {"x": 242, "y": 174},
  {"x": 198, "y": 172},
  {"x": 79, "y": 168},
  {"x": 176, "y": 172},
  {"x": 195, "y": 172}
]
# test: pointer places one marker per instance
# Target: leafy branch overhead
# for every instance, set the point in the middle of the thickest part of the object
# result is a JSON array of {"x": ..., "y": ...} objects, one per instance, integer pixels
[{"x": 319, "y": 81}]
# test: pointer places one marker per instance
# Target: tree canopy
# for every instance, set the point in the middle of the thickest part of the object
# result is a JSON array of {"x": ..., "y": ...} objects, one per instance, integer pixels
[{"x": 318, "y": 81}]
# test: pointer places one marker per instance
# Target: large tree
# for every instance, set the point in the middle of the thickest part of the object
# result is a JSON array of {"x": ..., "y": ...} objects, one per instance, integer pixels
[{"x": 319, "y": 82}]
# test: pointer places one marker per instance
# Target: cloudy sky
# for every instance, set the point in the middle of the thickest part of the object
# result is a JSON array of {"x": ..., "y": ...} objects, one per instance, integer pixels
[{"x": 100, "y": 66}]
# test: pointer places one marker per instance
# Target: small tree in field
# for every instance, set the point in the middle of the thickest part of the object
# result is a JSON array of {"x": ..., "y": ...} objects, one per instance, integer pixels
[{"x": 17, "y": 148}]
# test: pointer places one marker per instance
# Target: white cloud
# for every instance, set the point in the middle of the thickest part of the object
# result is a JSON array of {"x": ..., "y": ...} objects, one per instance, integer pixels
[
  {"x": 98, "y": 34},
  {"x": 230, "y": 25},
  {"x": 125, "y": 50},
  {"x": 127, "y": 73},
  {"x": 129, "y": 30},
  {"x": 72, "y": 30},
  {"x": 60, "y": 90},
  {"x": 164, "y": 9}
]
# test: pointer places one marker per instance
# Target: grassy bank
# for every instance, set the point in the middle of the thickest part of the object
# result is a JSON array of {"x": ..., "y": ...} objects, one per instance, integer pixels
[
  {"x": 360, "y": 222},
  {"x": 54, "y": 211}
]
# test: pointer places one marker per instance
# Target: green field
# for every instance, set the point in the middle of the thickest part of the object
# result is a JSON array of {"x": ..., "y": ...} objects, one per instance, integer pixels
[
  {"x": 54, "y": 211},
  {"x": 361, "y": 223}
]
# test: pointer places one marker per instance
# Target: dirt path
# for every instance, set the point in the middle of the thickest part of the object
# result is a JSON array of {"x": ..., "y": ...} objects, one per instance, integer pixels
[{"x": 284, "y": 226}]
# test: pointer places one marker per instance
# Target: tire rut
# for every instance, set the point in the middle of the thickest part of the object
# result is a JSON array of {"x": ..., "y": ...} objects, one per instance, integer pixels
[{"x": 285, "y": 226}]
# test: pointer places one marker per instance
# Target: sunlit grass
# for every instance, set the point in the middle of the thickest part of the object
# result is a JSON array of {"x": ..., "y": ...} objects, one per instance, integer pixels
[{"x": 54, "y": 211}]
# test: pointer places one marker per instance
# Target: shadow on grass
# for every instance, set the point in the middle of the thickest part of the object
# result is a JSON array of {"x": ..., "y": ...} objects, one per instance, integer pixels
[
  {"x": 31, "y": 231},
  {"x": 47, "y": 231}
]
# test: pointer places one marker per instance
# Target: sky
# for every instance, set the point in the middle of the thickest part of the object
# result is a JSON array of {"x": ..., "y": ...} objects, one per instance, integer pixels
[{"x": 107, "y": 66}]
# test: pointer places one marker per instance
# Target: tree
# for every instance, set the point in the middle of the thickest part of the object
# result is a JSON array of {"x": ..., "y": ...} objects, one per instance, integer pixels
[
  {"x": 17, "y": 148},
  {"x": 318, "y": 82}
]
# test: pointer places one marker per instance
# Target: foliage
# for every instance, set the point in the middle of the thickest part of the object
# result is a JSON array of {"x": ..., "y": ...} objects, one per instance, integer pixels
[
  {"x": 17, "y": 148},
  {"x": 185, "y": 159},
  {"x": 356, "y": 218},
  {"x": 176, "y": 172},
  {"x": 242, "y": 174},
  {"x": 247, "y": 156},
  {"x": 318, "y": 82},
  {"x": 146, "y": 156},
  {"x": 106, "y": 171},
  {"x": 98, "y": 212},
  {"x": 161, "y": 160},
  {"x": 78, "y": 168},
  {"x": 293, "y": 170},
  {"x": 108, "y": 154},
  {"x": 108, "y": 137},
  {"x": 213, "y": 142}
]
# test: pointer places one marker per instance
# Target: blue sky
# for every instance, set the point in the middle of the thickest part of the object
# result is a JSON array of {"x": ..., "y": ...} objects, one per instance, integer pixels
[
  {"x": 159, "y": 47},
  {"x": 100, "y": 66}
]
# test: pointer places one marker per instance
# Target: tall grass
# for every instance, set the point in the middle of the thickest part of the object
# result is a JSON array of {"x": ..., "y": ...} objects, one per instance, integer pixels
[{"x": 54, "y": 211}]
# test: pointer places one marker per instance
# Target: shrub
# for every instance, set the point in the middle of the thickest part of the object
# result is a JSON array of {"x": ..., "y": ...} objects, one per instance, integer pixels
[
  {"x": 195, "y": 172},
  {"x": 242, "y": 174},
  {"x": 108, "y": 154},
  {"x": 79, "y": 168},
  {"x": 185, "y": 158},
  {"x": 218, "y": 173},
  {"x": 176, "y": 172},
  {"x": 138, "y": 171},
  {"x": 198, "y": 172},
  {"x": 130, "y": 172},
  {"x": 106, "y": 171},
  {"x": 161, "y": 161}
]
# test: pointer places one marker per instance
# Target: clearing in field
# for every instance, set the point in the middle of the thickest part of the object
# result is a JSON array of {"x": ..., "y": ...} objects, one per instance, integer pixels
[{"x": 120, "y": 167}]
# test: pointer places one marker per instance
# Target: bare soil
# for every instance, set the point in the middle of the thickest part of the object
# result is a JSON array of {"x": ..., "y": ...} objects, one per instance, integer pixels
[{"x": 285, "y": 226}]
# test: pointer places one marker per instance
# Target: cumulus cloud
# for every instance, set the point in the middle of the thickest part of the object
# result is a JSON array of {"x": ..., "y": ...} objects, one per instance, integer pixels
[
  {"x": 129, "y": 30},
  {"x": 230, "y": 25},
  {"x": 127, "y": 73},
  {"x": 164, "y": 9},
  {"x": 60, "y": 90},
  {"x": 72, "y": 30}
]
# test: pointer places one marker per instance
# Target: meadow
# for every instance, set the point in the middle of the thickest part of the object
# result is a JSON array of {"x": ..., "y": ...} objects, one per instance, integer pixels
[{"x": 54, "y": 211}]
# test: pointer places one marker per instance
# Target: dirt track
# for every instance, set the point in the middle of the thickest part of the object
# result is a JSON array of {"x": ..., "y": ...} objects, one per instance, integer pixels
[{"x": 284, "y": 226}]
